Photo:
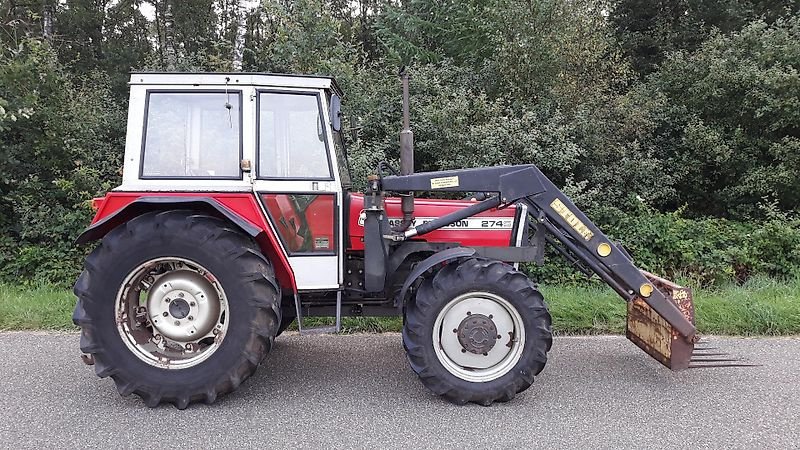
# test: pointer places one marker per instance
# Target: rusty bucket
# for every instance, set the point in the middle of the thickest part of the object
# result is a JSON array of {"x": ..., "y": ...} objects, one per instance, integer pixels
[{"x": 650, "y": 332}]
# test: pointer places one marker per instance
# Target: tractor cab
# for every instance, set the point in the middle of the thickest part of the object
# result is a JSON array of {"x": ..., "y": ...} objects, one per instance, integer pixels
[{"x": 268, "y": 134}]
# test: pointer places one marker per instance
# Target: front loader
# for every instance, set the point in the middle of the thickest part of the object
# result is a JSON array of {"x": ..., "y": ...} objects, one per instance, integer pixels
[
  {"x": 236, "y": 217},
  {"x": 660, "y": 313}
]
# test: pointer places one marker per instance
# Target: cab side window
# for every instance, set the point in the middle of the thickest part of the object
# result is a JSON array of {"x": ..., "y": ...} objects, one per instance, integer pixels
[
  {"x": 305, "y": 222},
  {"x": 192, "y": 134},
  {"x": 291, "y": 137}
]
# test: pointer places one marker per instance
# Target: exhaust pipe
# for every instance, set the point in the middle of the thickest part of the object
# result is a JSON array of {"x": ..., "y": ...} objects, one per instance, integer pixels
[{"x": 406, "y": 157}]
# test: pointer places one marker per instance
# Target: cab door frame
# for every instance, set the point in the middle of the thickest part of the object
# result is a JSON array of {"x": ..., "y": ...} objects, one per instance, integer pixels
[{"x": 312, "y": 272}]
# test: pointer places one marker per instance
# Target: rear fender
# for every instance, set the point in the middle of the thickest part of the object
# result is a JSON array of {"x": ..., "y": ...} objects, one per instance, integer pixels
[{"x": 235, "y": 208}]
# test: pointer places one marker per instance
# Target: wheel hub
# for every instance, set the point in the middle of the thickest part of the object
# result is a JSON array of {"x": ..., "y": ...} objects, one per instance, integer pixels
[
  {"x": 184, "y": 306},
  {"x": 477, "y": 334},
  {"x": 179, "y": 308}
]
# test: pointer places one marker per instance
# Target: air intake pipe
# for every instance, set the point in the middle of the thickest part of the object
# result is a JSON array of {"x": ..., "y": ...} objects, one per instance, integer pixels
[{"x": 406, "y": 157}]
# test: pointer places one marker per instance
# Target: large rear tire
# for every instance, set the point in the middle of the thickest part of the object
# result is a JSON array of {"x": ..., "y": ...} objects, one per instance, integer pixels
[
  {"x": 177, "y": 307},
  {"x": 477, "y": 331},
  {"x": 286, "y": 322}
]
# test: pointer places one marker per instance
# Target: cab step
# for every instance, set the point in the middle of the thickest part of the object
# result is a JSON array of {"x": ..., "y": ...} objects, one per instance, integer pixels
[{"x": 325, "y": 329}]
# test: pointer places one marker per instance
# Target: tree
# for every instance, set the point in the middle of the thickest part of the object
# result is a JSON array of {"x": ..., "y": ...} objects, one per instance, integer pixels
[
  {"x": 649, "y": 30},
  {"x": 729, "y": 119}
]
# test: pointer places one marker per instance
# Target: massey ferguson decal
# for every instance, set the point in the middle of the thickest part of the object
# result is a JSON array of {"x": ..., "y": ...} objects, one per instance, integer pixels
[{"x": 472, "y": 223}]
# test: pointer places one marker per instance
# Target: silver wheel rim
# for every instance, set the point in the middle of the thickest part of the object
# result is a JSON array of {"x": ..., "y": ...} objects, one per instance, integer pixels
[
  {"x": 494, "y": 363},
  {"x": 172, "y": 313}
]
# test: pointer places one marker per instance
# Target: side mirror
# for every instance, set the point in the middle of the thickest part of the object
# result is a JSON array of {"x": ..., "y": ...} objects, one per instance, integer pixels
[{"x": 336, "y": 112}]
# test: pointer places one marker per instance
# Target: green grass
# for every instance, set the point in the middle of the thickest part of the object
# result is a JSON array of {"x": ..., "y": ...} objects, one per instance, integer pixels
[
  {"x": 759, "y": 307},
  {"x": 35, "y": 308}
]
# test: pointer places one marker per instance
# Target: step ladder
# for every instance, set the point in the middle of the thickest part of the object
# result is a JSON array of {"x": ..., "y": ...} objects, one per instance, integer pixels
[{"x": 322, "y": 329}]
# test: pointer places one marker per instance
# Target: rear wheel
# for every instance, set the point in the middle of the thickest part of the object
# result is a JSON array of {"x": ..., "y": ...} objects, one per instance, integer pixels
[
  {"x": 286, "y": 322},
  {"x": 477, "y": 331},
  {"x": 176, "y": 307}
]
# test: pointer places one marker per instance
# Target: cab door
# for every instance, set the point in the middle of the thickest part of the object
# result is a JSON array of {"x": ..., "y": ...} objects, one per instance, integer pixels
[{"x": 296, "y": 179}]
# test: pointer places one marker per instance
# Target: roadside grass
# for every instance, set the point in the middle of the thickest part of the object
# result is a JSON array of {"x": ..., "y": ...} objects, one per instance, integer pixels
[
  {"x": 760, "y": 307},
  {"x": 40, "y": 307}
]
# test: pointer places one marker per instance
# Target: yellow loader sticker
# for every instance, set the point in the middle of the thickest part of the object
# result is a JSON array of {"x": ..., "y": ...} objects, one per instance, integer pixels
[{"x": 576, "y": 224}]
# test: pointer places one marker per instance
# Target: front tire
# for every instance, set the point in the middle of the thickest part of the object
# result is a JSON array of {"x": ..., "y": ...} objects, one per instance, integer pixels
[
  {"x": 477, "y": 331},
  {"x": 177, "y": 307}
]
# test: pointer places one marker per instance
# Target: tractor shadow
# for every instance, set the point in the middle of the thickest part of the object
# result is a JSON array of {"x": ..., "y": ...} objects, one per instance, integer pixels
[{"x": 371, "y": 369}]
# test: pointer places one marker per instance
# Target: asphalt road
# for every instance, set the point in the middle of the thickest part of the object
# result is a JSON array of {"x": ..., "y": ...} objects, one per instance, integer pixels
[{"x": 357, "y": 392}]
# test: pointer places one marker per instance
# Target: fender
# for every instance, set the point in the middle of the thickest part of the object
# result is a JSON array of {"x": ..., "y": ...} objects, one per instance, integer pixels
[
  {"x": 427, "y": 263},
  {"x": 240, "y": 209}
]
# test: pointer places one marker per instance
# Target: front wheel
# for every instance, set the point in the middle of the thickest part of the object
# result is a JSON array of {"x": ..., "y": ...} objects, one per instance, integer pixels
[{"x": 477, "y": 331}]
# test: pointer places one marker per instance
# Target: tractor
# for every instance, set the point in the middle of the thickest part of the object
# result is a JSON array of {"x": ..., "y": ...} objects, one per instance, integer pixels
[{"x": 236, "y": 217}]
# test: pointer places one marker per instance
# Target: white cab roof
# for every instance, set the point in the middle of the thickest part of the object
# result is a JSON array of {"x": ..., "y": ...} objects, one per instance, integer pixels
[{"x": 235, "y": 79}]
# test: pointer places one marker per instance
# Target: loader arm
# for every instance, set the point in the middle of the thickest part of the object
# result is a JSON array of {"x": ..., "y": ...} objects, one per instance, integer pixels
[{"x": 659, "y": 312}]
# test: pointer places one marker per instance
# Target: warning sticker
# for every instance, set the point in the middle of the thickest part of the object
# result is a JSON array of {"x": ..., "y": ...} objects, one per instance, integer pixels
[
  {"x": 322, "y": 242},
  {"x": 444, "y": 182}
]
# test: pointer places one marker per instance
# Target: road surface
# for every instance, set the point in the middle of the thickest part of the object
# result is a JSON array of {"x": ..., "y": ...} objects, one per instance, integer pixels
[{"x": 358, "y": 392}]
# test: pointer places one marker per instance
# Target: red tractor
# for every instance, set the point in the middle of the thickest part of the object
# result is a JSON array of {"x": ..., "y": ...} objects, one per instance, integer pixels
[{"x": 236, "y": 217}]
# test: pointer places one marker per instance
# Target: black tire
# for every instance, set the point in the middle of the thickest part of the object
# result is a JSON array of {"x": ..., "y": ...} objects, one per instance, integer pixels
[
  {"x": 286, "y": 321},
  {"x": 243, "y": 272},
  {"x": 476, "y": 275}
]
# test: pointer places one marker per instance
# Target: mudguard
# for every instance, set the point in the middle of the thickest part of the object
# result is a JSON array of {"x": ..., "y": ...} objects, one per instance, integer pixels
[
  {"x": 144, "y": 204},
  {"x": 431, "y": 261}
]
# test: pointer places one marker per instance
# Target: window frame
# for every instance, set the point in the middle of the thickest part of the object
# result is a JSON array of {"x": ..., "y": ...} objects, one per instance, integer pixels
[
  {"x": 326, "y": 137},
  {"x": 237, "y": 92}
]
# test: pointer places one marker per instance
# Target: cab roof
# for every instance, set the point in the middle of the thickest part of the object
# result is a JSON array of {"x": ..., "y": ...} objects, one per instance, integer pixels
[{"x": 235, "y": 79}]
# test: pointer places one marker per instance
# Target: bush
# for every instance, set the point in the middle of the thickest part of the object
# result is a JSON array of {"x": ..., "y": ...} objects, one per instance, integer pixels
[
  {"x": 701, "y": 252},
  {"x": 61, "y": 146}
]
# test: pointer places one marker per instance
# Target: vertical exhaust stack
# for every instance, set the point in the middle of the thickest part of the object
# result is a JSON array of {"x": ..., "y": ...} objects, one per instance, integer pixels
[{"x": 406, "y": 156}]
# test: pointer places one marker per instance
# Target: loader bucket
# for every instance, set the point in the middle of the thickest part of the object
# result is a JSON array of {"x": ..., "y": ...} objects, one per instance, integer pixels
[{"x": 650, "y": 332}]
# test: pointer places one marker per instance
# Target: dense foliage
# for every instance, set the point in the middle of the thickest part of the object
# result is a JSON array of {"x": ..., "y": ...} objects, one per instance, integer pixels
[{"x": 674, "y": 123}]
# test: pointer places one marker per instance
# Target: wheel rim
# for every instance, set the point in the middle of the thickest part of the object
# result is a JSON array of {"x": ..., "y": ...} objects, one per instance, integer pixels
[
  {"x": 463, "y": 339},
  {"x": 172, "y": 313}
]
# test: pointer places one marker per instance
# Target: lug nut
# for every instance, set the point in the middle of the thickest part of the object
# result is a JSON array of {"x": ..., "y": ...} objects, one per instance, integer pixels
[
  {"x": 177, "y": 322},
  {"x": 180, "y": 294},
  {"x": 455, "y": 330},
  {"x": 190, "y": 318},
  {"x": 191, "y": 303},
  {"x": 167, "y": 299},
  {"x": 165, "y": 314}
]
